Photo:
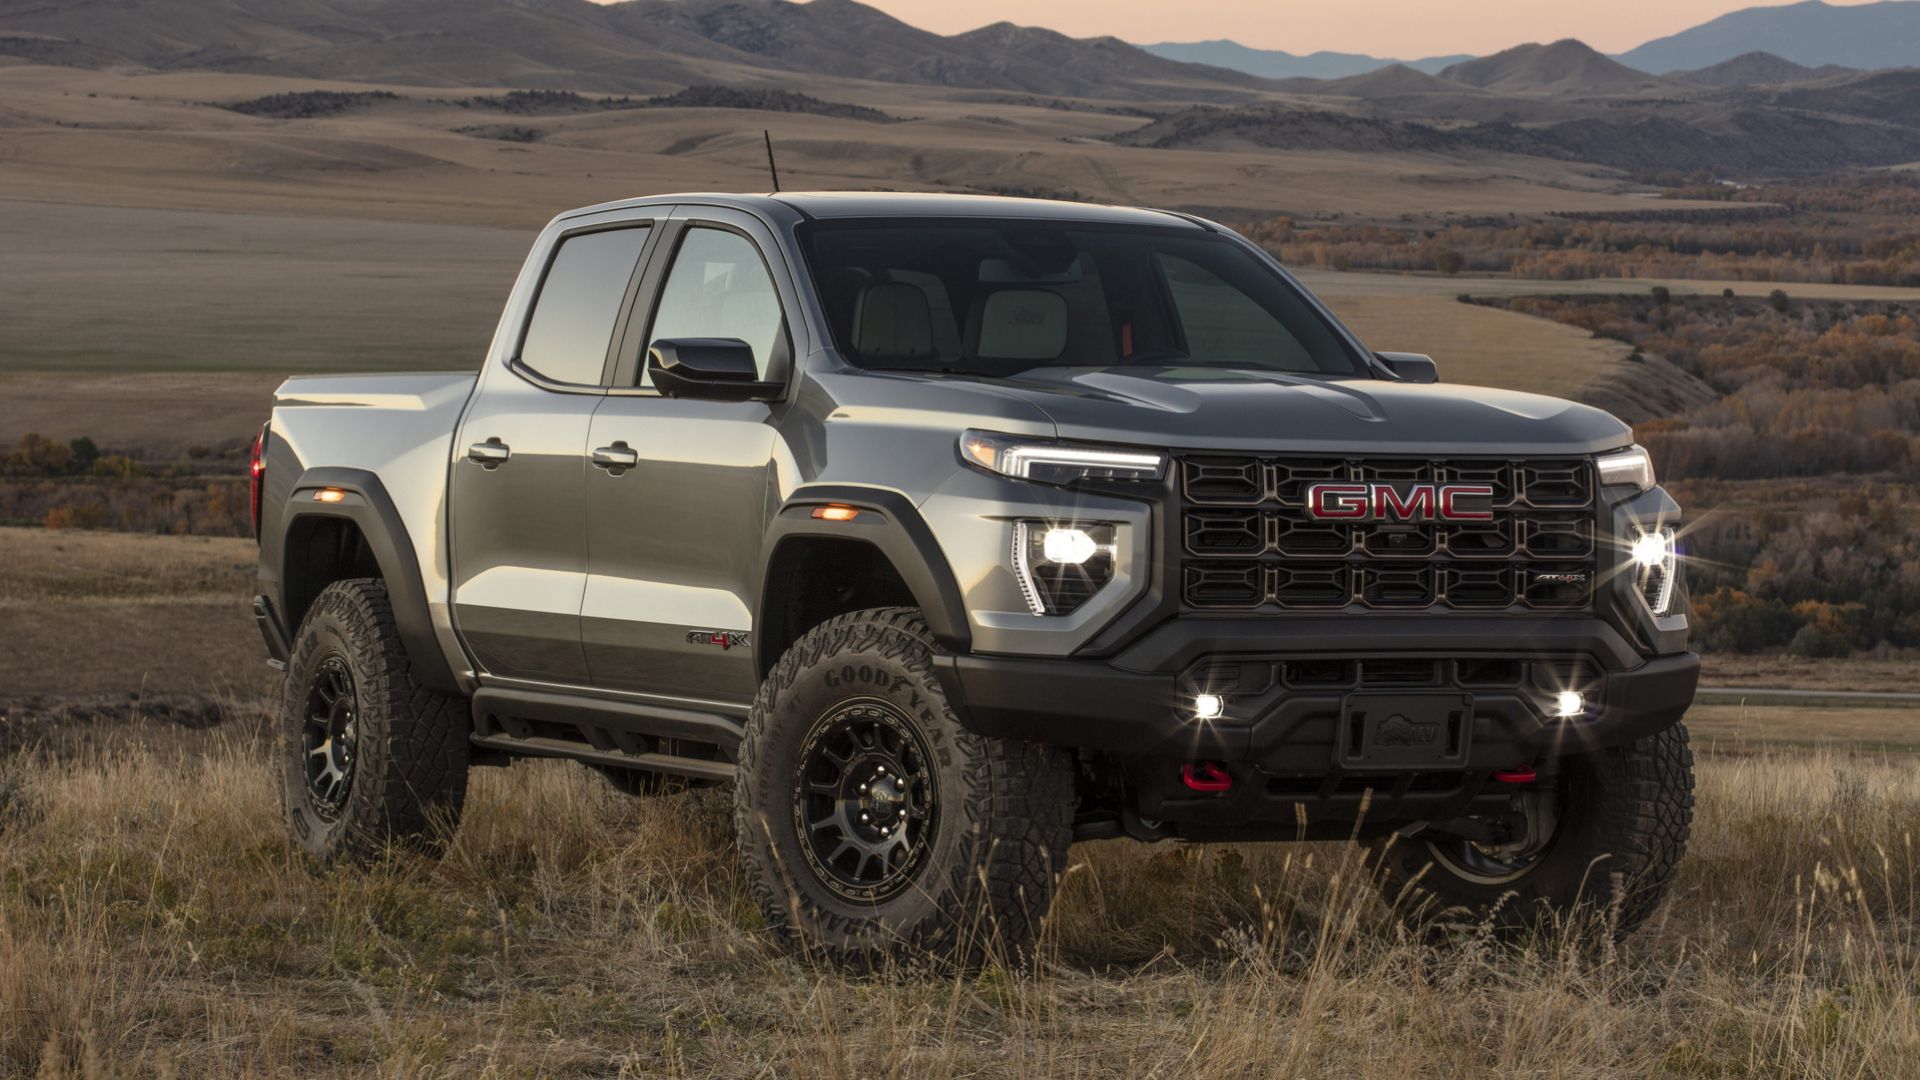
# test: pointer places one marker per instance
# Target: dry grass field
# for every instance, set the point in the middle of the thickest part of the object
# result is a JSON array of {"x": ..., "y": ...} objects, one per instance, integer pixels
[
  {"x": 1894, "y": 676},
  {"x": 156, "y": 140},
  {"x": 96, "y": 618},
  {"x": 122, "y": 290},
  {"x": 153, "y": 922}
]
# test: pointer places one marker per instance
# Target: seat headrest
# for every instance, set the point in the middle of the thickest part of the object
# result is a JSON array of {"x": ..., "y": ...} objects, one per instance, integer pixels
[
  {"x": 1022, "y": 324},
  {"x": 892, "y": 322}
]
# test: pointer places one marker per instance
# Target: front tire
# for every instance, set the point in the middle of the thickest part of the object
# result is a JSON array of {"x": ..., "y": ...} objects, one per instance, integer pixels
[
  {"x": 873, "y": 825},
  {"x": 369, "y": 759},
  {"x": 1622, "y": 816}
]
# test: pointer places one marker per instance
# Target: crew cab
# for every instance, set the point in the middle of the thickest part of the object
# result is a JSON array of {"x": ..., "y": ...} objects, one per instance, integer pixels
[{"x": 952, "y": 530}]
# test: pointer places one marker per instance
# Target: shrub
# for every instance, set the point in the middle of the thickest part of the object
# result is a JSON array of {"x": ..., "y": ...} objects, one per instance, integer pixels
[
  {"x": 76, "y": 517},
  {"x": 1812, "y": 641}
]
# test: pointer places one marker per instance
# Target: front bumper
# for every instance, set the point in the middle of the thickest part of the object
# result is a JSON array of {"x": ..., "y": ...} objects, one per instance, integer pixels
[{"x": 1138, "y": 704}]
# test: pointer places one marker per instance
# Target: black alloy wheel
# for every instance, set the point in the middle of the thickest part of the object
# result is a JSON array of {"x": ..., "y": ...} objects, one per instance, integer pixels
[
  {"x": 330, "y": 736},
  {"x": 865, "y": 800}
]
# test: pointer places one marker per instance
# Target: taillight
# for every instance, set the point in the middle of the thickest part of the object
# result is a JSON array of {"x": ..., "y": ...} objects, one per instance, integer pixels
[{"x": 256, "y": 473}]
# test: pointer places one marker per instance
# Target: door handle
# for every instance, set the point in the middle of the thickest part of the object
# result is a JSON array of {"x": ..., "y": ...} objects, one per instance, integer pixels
[
  {"x": 490, "y": 454},
  {"x": 616, "y": 459}
]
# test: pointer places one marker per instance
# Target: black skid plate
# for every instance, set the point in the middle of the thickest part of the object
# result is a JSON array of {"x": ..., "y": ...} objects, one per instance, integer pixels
[{"x": 1405, "y": 731}]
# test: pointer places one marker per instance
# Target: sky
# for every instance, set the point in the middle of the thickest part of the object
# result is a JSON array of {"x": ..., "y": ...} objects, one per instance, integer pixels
[{"x": 1403, "y": 29}]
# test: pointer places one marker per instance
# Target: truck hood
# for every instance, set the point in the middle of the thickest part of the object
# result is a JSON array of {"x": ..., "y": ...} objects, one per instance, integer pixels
[{"x": 1205, "y": 408}]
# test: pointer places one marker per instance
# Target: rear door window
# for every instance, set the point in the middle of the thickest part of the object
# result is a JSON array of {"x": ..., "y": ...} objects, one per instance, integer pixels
[{"x": 573, "y": 317}]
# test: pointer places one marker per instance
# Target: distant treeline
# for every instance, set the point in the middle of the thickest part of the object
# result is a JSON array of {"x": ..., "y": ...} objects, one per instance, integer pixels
[
  {"x": 550, "y": 102},
  {"x": 311, "y": 104},
  {"x": 1803, "y": 479},
  {"x": 73, "y": 485},
  {"x": 1856, "y": 230}
]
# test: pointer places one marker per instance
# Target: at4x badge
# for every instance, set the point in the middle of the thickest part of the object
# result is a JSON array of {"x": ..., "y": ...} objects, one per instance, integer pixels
[{"x": 724, "y": 639}]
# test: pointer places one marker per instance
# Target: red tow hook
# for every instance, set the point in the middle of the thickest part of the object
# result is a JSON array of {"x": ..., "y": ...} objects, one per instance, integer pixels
[
  {"x": 1210, "y": 777},
  {"x": 1519, "y": 774}
]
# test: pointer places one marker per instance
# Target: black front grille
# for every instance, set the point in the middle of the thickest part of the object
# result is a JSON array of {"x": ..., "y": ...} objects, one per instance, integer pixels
[{"x": 1249, "y": 544}]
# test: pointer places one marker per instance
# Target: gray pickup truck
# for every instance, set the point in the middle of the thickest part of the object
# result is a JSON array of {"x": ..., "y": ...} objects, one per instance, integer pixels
[{"x": 954, "y": 530}]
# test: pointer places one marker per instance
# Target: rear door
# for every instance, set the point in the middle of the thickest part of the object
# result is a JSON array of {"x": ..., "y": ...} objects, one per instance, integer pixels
[
  {"x": 517, "y": 521},
  {"x": 672, "y": 540}
]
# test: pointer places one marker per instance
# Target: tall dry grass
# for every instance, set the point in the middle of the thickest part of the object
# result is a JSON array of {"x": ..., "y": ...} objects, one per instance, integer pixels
[{"x": 152, "y": 922}]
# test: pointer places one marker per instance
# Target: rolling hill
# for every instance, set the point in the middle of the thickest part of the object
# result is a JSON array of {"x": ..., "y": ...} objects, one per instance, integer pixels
[
  {"x": 638, "y": 46},
  {"x": 1564, "y": 67},
  {"x": 1891, "y": 96},
  {"x": 1278, "y": 64},
  {"x": 1757, "y": 69},
  {"x": 1398, "y": 80}
]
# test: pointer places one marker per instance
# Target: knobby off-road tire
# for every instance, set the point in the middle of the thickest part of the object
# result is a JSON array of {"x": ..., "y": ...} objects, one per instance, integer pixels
[
  {"x": 990, "y": 820},
  {"x": 1624, "y": 816},
  {"x": 406, "y": 766}
]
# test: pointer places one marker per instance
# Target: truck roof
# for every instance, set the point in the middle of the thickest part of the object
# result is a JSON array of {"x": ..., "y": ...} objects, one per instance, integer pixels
[{"x": 913, "y": 204}]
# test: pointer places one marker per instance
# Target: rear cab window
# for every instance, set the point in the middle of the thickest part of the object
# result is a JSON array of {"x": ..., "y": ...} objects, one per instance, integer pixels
[{"x": 570, "y": 330}]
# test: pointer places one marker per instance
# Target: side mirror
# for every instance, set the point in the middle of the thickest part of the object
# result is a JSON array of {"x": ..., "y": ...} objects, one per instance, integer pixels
[
  {"x": 708, "y": 369},
  {"x": 1409, "y": 366}
]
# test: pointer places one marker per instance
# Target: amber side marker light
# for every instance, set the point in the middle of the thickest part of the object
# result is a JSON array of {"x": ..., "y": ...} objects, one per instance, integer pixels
[
  {"x": 835, "y": 513},
  {"x": 329, "y": 495}
]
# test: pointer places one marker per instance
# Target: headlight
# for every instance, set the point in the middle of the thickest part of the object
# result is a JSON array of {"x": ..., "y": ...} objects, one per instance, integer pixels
[
  {"x": 1630, "y": 466},
  {"x": 1655, "y": 563},
  {"x": 1061, "y": 566},
  {"x": 1055, "y": 462}
]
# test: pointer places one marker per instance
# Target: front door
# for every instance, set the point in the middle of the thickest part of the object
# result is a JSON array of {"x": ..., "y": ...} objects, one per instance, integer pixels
[
  {"x": 518, "y": 493},
  {"x": 673, "y": 538}
]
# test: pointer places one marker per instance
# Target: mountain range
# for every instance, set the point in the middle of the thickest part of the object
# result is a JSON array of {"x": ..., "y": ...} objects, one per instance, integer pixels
[
  {"x": 1567, "y": 101},
  {"x": 1276, "y": 64},
  {"x": 1880, "y": 35},
  {"x": 637, "y": 46},
  {"x": 1562, "y": 100},
  {"x": 1812, "y": 34}
]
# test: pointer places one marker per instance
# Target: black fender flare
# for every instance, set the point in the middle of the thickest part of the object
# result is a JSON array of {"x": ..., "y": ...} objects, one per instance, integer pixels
[
  {"x": 889, "y": 522},
  {"x": 365, "y": 502}
]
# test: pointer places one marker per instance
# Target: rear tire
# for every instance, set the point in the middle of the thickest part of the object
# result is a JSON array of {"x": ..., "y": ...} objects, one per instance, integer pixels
[
  {"x": 873, "y": 825},
  {"x": 1624, "y": 814},
  {"x": 369, "y": 759}
]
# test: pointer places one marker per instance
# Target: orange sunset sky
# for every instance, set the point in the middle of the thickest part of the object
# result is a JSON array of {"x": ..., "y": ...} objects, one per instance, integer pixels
[{"x": 1404, "y": 29}]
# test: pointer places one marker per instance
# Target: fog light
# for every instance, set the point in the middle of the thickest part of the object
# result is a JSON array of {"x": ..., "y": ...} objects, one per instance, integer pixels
[
  {"x": 1069, "y": 547},
  {"x": 1569, "y": 703},
  {"x": 1209, "y": 707}
]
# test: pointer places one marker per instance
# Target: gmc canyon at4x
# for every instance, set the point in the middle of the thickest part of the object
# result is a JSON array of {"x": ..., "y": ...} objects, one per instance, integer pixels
[{"x": 952, "y": 530}]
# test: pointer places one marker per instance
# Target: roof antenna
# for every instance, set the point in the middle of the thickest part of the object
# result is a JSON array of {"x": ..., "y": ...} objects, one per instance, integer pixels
[{"x": 768, "y": 136}]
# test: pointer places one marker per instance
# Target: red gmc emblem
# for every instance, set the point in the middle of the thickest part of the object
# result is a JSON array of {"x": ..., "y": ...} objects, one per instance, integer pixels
[{"x": 1400, "y": 502}]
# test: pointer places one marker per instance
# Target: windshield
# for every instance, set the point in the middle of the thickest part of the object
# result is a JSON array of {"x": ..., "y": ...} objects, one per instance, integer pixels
[{"x": 996, "y": 298}]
